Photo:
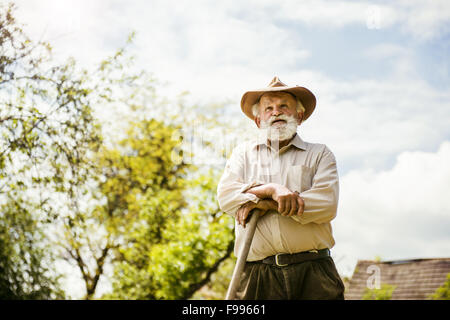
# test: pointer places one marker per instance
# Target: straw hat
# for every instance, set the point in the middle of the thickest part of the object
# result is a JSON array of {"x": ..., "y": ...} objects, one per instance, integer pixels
[{"x": 306, "y": 97}]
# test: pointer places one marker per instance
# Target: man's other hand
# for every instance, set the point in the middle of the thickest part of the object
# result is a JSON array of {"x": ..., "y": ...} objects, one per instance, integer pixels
[
  {"x": 289, "y": 203},
  {"x": 244, "y": 211}
]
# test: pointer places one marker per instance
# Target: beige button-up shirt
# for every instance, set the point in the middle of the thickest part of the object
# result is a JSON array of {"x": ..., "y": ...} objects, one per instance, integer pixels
[{"x": 308, "y": 168}]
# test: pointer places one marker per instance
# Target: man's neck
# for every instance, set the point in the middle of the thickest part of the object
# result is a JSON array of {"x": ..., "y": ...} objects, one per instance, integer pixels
[{"x": 282, "y": 143}]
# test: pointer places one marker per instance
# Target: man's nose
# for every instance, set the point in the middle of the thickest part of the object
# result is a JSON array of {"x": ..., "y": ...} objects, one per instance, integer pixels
[{"x": 276, "y": 111}]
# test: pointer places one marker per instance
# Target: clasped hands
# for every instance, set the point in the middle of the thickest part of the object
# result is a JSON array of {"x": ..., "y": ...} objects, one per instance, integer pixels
[{"x": 276, "y": 197}]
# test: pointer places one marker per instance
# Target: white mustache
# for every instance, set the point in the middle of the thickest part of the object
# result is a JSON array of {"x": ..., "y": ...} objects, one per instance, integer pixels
[
  {"x": 270, "y": 121},
  {"x": 279, "y": 133}
]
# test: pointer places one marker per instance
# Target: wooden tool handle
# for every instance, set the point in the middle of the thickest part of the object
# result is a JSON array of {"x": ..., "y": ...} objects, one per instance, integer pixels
[{"x": 242, "y": 255}]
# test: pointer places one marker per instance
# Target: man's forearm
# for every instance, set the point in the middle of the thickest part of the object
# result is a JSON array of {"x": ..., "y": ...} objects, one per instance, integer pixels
[
  {"x": 264, "y": 191},
  {"x": 289, "y": 203},
  {"x": 267, "y": 204}
]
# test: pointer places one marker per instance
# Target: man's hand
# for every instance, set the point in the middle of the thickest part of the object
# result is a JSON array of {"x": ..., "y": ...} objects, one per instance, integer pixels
[
  {"x": 289, "y": 203},
  {"x": 263, "y": 205}
]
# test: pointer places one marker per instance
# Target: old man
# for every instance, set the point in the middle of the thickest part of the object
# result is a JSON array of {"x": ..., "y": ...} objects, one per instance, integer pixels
[{"x": 295, "y": 186}]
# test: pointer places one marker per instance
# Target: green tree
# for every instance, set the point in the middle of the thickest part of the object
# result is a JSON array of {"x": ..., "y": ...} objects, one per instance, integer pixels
[
  {"x": 33, "y": 100},
  {"x": 145, "y": 197},
  {"x": 172, "y": 235},
  {"x": 95, "y": 195},
  {"x": 443, "y": 292},
  {"x": 47, "y": 133},
  {"x": 86, "y": 233},
  {"x": 24, "y": 272}
]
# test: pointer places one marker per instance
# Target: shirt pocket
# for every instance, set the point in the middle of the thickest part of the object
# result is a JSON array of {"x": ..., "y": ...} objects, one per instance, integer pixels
[{"x": 299, "y": 178}]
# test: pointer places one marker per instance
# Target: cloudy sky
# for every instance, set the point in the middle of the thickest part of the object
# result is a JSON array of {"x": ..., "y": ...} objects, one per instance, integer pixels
[{"x": 379, "y": 70}]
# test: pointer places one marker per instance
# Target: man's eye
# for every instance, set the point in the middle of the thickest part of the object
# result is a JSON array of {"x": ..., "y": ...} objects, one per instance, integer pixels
[
  {"x": 284, "y": 106},
  {"x": 268, "y": 108}
]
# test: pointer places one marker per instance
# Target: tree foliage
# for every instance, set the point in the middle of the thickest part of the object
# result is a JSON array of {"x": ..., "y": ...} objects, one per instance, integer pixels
[
  {"x": 443, "y": 292},
  {"x": 24, "y": 273},
  {"x": 383, "y": 293},
  {"x": 27, "y": 133},
  {"x": 172, "y": 237},
  {"x": 126, "y": 200}
]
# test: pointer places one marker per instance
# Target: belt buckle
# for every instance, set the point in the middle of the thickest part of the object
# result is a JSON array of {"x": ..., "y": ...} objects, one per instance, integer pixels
[{"x": 277, "y": 263}]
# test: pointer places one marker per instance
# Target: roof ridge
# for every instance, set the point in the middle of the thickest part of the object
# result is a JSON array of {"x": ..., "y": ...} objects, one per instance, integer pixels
[{"x": 400, "y": 261}]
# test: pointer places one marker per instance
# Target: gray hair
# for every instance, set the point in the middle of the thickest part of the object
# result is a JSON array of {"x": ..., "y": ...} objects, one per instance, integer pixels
[{"x": 255, "y": 107}]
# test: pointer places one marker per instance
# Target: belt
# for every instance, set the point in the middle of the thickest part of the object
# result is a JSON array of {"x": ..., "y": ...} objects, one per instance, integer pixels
[{"x": 285, "y": 259}]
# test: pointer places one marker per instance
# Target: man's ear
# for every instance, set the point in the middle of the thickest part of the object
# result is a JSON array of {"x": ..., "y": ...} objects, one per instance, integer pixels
[
  {"x": 300, "y": 118},
  {"x": 257, "y": 121}
]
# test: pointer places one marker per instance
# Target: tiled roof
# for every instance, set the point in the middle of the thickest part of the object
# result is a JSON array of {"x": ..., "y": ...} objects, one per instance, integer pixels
[{"x": 414, "y": 279}]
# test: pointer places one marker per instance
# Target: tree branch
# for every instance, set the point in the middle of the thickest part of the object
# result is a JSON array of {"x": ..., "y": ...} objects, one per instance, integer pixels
[{"x": 196, "y": 286}]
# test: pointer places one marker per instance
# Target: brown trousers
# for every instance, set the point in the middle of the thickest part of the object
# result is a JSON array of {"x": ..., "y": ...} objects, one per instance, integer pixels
[{"x": 308, "y": 280}]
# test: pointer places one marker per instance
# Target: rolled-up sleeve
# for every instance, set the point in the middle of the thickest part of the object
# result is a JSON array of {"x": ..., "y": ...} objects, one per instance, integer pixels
[
  {"x": 321, "y": 200},
  {"x": 231, "y": 190}
]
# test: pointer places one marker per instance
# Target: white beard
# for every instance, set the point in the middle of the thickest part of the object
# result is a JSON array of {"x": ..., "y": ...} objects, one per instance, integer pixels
[{"x": 279, "y": 132}]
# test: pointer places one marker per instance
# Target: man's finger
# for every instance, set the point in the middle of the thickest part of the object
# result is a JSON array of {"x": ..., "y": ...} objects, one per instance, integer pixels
[
  {"x": 294, "y": 207},
  {"x": 281, "y": 206},
  {"x": 287, "y": 207},
  {"x": 239, "y": 216},
  {"x": 244, "y": 216},
  {"x": 301, "y": 206}
]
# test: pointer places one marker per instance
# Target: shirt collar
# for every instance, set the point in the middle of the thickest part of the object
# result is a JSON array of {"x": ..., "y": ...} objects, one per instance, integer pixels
[{"x": 296, "y": 142}]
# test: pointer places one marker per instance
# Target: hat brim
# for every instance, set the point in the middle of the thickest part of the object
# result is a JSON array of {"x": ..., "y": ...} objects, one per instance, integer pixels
[{"x": 306, "y": 97}]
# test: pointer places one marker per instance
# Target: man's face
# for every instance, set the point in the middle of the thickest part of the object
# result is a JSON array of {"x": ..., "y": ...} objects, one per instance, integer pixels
[
  {"x": 278, "y": 117},
  {"x": 272, "y": 105}
]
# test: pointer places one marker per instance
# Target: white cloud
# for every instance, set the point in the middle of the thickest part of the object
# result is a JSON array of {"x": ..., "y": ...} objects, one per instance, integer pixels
[
  {"x": 215, "y": 49},
  {"x": 367, "y": 122},
  {"x": 401, "y": 213},
  {"x": 387, "y": 50},
  {"x": 420, "y": 18},
  {"x": 337, "y": 13},
  {"x": 424, "y": 19},
  {"x": 213, "y": 53}
]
